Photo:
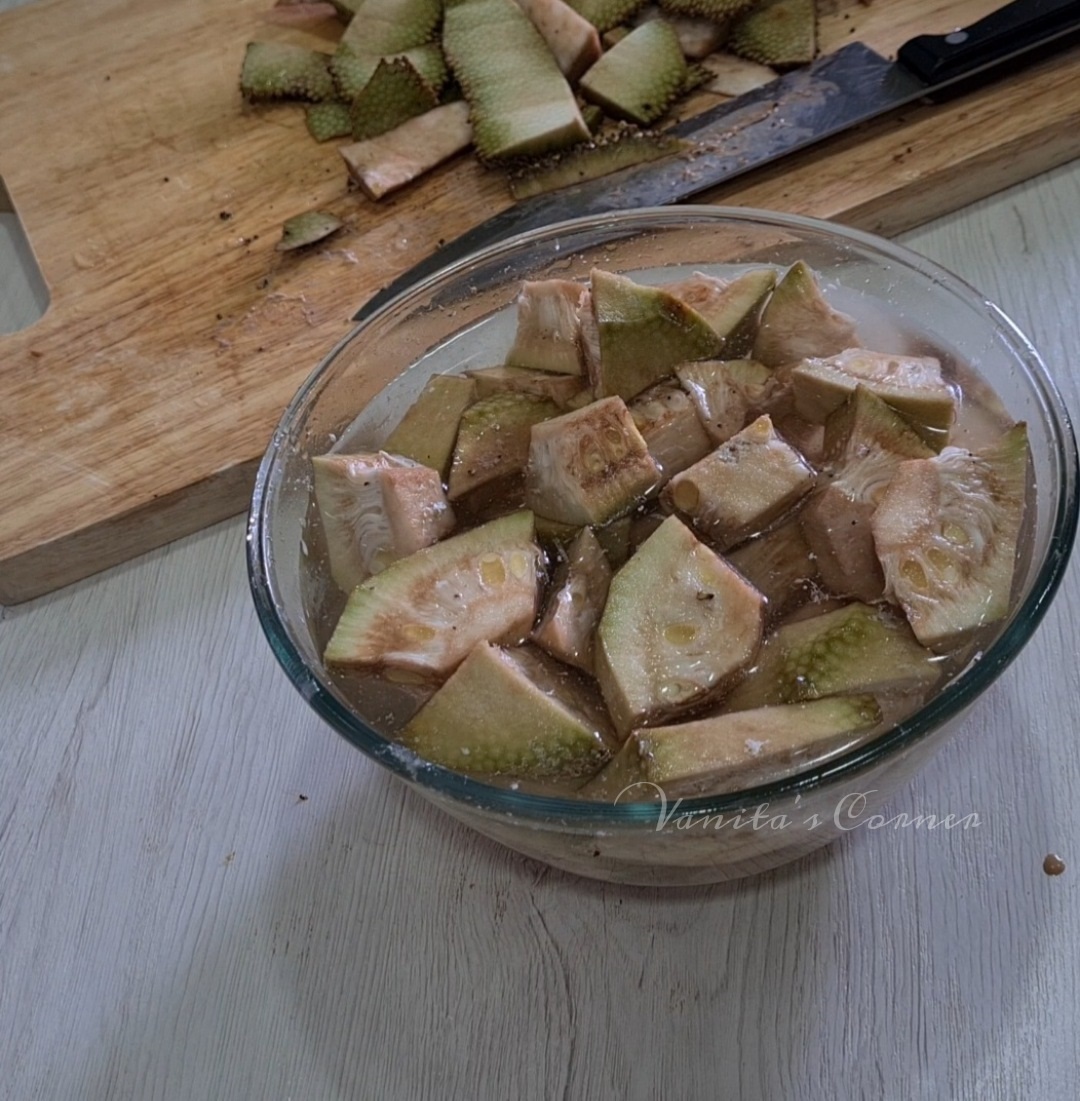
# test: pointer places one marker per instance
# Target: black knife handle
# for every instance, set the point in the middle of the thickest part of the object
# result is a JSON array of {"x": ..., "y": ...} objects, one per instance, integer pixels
[{"x": 1004, "y": 39}]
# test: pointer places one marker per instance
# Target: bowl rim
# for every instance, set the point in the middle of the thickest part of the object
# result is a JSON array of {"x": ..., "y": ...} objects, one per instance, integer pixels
[{"x": 948, "y": 704}]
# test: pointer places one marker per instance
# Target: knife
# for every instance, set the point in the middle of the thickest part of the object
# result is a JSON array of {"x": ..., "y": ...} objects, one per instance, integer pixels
[{"x": 840, "y": 90}]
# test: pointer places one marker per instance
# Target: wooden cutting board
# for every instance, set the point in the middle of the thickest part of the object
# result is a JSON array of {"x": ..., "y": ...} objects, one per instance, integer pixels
[{"x": 136, "y": 409}]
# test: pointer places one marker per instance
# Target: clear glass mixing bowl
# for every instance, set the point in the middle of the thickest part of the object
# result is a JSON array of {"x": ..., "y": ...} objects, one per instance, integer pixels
[{"x": 892, "y": 291}]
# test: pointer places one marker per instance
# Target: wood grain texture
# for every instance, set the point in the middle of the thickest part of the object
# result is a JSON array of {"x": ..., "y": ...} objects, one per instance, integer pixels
[
  {"x": 135, "y": 410},
  {"x": 205, "y": 893}
]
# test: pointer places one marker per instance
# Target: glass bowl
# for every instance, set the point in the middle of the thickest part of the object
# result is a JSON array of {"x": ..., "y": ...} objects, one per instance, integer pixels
[{"x": 465, "y": 312}]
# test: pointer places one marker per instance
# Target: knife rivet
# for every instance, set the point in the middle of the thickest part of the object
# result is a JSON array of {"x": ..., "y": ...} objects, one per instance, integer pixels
[{"x": 956, "y": 38}]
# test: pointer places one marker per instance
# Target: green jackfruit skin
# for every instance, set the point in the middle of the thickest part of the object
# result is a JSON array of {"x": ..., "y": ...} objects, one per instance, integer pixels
[
  {"x": 386, "y": 27},
  {"x": 505, "y": 712},
  {"x": 780, "y": 33},
  {"x": 351, "y": 71},
  {"x": 605, "y": 15},
  {"x": 519, "y": 101},
  {"x": 396, "y": 92},
  {"x": 644, "y": 333},
  {"x": 589, "y": 162},
  {"x": 854, "y": 649},
  {"x": 726, "y": 752},
  {"x": 277, "y": 70},
  {"x": 429, "y": 62},
  {"x": 326, "y": 121},
  {"x": 640, "y": 77},
  {"x": 429, "y": 427},
  {"x": 493, "y": 439},
  {"x": 718, "y": 11}
]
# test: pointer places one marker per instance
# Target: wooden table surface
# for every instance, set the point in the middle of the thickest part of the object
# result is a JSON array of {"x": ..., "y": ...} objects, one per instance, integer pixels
[{"x": 206, "y": 894}]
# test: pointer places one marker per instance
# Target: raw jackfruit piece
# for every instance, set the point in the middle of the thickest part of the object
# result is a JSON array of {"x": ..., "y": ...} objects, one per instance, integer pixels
[
  {"x": 731, "y": 308},
  {"x": 548, "y": 333},
  {"x": 640, "y": 77},
  {"x": 376, "y": 508},
  {"x": 798, "y": 322},
  {"x": 779, "y": 564},
  {"x": 724, "y": 392},
  {"x": 669, "y": 424},
  {"x": 865, "y": 442},
  {"x": 588, "y": 466},
  {"x": 946, "y": 532},
  {"x": 742, "y": 486},
  {"x": 429, "y": 427},
  {"x": 853, "y": 650},
  {"x": 549, "y": 385},
  {"x": 423, "y": 614},
  {"x": 642, "y": 334},
  {"x": 741, "y": 749},
  {"x": 913, "y": 385},
  {"x": 493, "y": 439},
  {"x": 511, "y": 713},
  {"x": 572, "y": 611},
  {"x": 678, "y": 625},
  {"x": 520, "y": 103}
]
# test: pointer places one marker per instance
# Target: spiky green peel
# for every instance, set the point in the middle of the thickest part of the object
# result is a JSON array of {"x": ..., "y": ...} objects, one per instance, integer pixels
[
  {"x": 520, "y": 103},
  {"x": 644, "y": 333},
  {"x": 640, "y": 77},
  {"x": 508, "y": 712},
  {"x": 326, "y": 121},
  {"x": 395, "y": 93},
  {"x": 854, "y": 649},
  {"x": 278, "y": 70},
  {"x": 780, "y": 33},
  {"x": 589, "y": 162},
  {"x": 716, "y": 11},
  {"x": 384, "y": 27},
  {"x": 605, "y": 15}
]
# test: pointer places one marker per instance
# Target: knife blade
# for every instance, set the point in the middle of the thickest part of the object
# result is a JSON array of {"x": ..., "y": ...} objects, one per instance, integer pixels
[{"x": 841, "y": 90}]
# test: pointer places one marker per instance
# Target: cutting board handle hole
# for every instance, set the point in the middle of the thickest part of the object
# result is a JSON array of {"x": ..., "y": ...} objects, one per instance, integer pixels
[{"x": 24, "y": 297}]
